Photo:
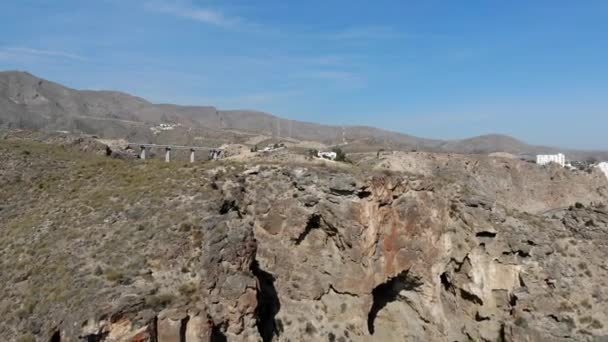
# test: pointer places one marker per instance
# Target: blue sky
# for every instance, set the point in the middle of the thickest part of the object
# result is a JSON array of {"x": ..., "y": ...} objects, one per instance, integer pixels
[{"x": 534, "y": 69}]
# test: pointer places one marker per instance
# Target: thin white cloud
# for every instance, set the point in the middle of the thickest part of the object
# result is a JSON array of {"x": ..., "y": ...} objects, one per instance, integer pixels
[
  {"x": 204, "y": 15},
  {"x": 24, "y": 51}
]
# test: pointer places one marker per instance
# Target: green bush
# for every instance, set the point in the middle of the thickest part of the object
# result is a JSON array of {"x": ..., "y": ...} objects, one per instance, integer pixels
[
  {"x": 26, "y": 338},
  {"x": 312, "y": 153},
  {"x": 521, "y": 322},
  {"x": 188, "y": 289},
  {"x": 596, "y": 324},
  {"x": 115, "y": 275},
  {"x": 159, "y": 301},
  {"x": 340, "y": 155}
]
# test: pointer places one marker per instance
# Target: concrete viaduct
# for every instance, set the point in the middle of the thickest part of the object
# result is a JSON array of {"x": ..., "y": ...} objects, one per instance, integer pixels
[{"x": 214, "y": 153}]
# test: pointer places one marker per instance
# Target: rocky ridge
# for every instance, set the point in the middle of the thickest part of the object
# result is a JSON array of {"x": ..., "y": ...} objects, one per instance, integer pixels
[{"x": 99, "y": 249}]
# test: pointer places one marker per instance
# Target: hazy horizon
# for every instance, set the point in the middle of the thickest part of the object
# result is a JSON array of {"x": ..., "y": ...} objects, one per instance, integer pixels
[{"x": 535, "y": 71}]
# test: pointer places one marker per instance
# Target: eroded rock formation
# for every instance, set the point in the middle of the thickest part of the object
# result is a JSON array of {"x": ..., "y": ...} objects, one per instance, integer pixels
[{"x": 290, "y": 253}]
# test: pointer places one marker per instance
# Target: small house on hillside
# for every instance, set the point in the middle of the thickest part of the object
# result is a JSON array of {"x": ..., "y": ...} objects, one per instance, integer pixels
[{"x": 328, "y": 155}]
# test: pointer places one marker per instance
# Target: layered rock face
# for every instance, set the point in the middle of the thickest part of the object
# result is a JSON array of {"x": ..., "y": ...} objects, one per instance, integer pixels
[
  {"x": 290, "y": 253},
  {"x": 408, "y": 258}
]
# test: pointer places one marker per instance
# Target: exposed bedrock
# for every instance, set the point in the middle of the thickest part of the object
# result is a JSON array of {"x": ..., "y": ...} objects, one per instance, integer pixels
[
  {"x": 420, "y": 259},
  {"x": 280, "y": 253}
]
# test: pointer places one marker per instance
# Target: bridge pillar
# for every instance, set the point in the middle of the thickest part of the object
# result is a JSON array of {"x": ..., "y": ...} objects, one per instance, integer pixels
[
  {"x": 142, "y": 154},
  {"x": 214, "y": 154},
  {"x": 192, "y": 155},
  {"x": 168, "y": 154}
]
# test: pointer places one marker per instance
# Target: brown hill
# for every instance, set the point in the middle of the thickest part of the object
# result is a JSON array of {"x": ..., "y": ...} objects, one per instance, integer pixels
[{"x": 29, "y": 102}]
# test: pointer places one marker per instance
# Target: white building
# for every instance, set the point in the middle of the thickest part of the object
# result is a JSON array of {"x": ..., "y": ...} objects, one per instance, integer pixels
[
  {"x": 604, "y": 167},
  {"x": 544, "y": 159},
  {"x": 328, "y": 155},
  {"x": 163, "y": 127}
]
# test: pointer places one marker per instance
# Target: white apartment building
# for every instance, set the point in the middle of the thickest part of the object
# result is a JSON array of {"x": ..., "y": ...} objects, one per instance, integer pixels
[
  {"x": 544, "y": 159},
  {"x": 604, "y": 167}
]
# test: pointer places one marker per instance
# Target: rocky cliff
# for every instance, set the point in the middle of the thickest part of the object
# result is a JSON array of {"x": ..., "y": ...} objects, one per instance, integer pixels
[{"x": 97, "y": 249}]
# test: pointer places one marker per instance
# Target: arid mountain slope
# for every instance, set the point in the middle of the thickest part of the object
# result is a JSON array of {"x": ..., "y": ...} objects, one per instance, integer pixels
[
  {"x": 29, "y": 102},
  {"x": 98, "y": 249}
]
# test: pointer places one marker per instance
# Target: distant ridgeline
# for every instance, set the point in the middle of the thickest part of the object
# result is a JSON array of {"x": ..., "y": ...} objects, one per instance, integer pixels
[{"x": 29, "y": 102}]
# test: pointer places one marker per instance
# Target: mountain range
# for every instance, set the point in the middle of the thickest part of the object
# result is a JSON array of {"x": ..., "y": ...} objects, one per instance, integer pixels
[{"x": 30, "y": 102}]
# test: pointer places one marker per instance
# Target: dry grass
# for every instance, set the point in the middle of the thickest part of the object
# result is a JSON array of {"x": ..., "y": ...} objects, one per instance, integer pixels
[{"x": 66, "y": 215}]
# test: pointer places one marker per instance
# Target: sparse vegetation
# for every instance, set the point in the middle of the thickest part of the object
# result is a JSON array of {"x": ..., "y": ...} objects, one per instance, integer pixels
[
  {"x": 565, "y": 307},
  {"x": 115, "y": 275},
  {"x": 521, "y": 322},
  {"x": 159, "y": 301},
  {"x": 596, "y": 324},
  {"x": 27, "y": 338},
  {"x": 71, "y": 208},
  {"x": 312, "y": 153},
  {"x": 341, "y": 155},
  {"x": 97, "y": 229},
  {"x": 585, "y": 303},
  {"x": 188, "y": 289}
]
